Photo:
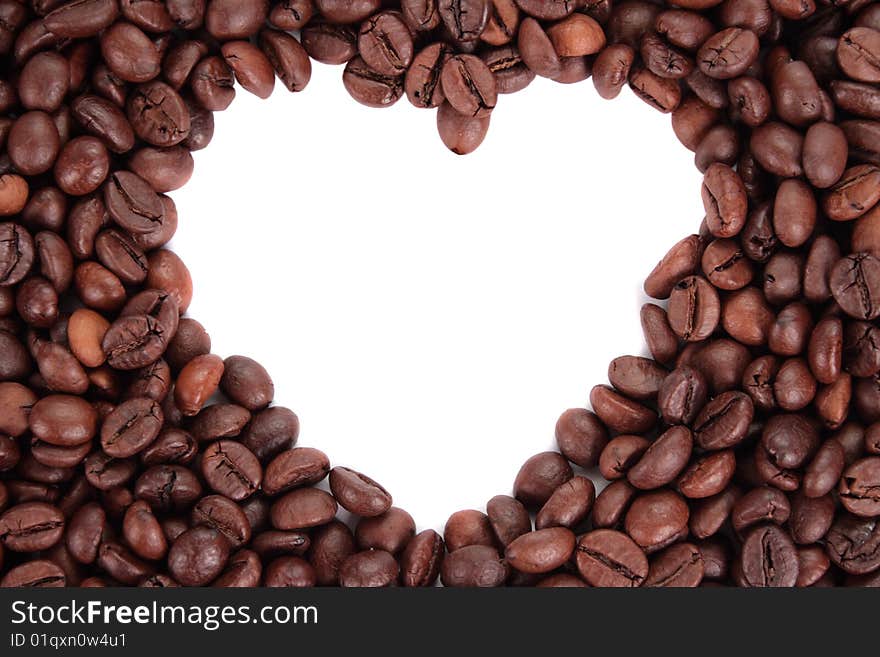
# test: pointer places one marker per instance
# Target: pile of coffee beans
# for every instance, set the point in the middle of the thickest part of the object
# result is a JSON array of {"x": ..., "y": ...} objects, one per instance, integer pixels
[{"x": 745, "y": 452}]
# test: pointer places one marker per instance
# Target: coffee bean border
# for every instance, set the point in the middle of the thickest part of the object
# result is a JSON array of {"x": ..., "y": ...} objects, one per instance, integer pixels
[{"x": 745, "y": 452}]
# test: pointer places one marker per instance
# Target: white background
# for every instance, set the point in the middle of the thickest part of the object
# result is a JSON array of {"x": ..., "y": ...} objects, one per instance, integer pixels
[{"x": 428, "y": 316}]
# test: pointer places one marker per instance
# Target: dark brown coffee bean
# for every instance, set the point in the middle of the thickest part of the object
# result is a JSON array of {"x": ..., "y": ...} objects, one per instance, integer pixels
[
  {"x": 34, "y": 574},
  {"x": 581, "y": 437},
  {"x": 824, "y": 154},
  {"x": 539, "y": 477},
  {"x": 253, "y": 70},
  {"x": 725, "y": 201},
  {"x": 31, "y": 527},
  {"x": 168, "y": 488},
  {"x": 677, "y": 566},
  {"x": 198, "y": 556},
  {"x": 855, "y": 284},
  {"x": 680, "y": 261},
  {"x": 370, "y": 569},
  {"x": 223, "y": 515},
  {"x": 858, "y": 487},
  {"x": 694, "y": 309},
  {"x": 769, "y": 558},
  {"x": 370, "y": 87},
  {"x": 663, "y": 94},
  {"x": 569, "y": 505},
  {"x": 474, "y": 566},
  {"x": 328, "y": 43},
  {"x": 158, "y": 114},
  {"x": 301, "y": 466},
  {"x": 611, "y": 69},
  {"x": 289, "y": 59},
  {"x": 854, "y": 194},
  {"x": 609, "y": 558},
  {"x": 853, "y": 544},
  {"x": 331, "y": 545},
  {"x": 129, "y": 53},
  {"x": 657, "y": 519},
  {"x": 681, "y": 396},
  {"x": 811, "y": 518},
  {"x": 724, "y": 421},
  {"x": 303, "y": 508},
  {"x": 82, "y": 18},
  {"x": 468, "y": 527},
  {"x": 469, "y": 86},
  {"x": 143, "y": 533},
  {"x": 541, "y": 551},
  {"x": 227, "y": 19},
  {"x": 231, "y": 469},
  {"x": 728, "y": 54},
  {"x": 421, "y": 560},
  {"x": 663, "y": 461},
  {"x": 619, "y": 413},
  {"x": 858, "y": 54},
  {"x": 85, "y": 531},
  {"x": 131, "y": 426}
]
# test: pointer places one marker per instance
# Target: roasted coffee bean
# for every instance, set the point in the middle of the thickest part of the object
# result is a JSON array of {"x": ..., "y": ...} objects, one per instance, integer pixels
[
  {"x": 131, "y": 427},
  {"x": 465, "y": 19},
  {"x": 581, "y": 437},
  {"x": 677, "y": 566},
  {"x": 663, "y": 461},
  {"x": 252, "y": 68},
  {"x": 474, "y": 566},
  {"x": 158, "y": 114},
  {"x": 769, "y": 558},
  {"x": 657, "y": 519},
  {"x": 143, "y": 533},
  {"x": 30, "y": 527},
  {"x": 852, "y": 544},
  {"x": 370, "y": 87},
  {"x": 34, "y": 574},
  {"x": 811, "y": 518},
  {"x": 855, "y": 284},
  {"x": 609, "y": 558},
  {"x": 569, "y": 505},
  {"x": 619, "y": 413},
  {"x": 469, "y": 86},
  {"x": 421, "y": 560},
  {"x": 328, "y": 43},
  {"x": 168, "y": 488},
  {"x": 231, "y": 469},
  {"x": 728, "y": 54},
  {"x": 358, "y": 493},
  {"x": 303, "y": 508},
  {"x": 371, "y": 569},
  {"x": 225, "y": 516},
  {"x": 858, "y": 54},
  {"x": 694, "y": 309},
  {"x": 854, "y": 194},
  {"x": 333, "y": 543},
  {"x": 468, "y": 527},
  {"x": 541, "y": 551},
  {"x": 539, "y": 477},
  {"x": 680, "y": 261},
  {"x": 611, "y": 69},
  {"x": 681, "y": 395},
  {"x": 198, "y": 556}
]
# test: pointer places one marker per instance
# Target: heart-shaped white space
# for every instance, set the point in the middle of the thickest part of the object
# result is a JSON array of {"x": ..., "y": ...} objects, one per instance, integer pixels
[{"x": 428, "y": 316}]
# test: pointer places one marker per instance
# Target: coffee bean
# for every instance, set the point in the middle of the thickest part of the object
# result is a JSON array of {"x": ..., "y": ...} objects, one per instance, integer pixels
[
  {"x": 811, "y": 518},
  {"x": 130, "y": 427},
  {"x": 253, "y": 70},
  {"x": 852, "y": 544},
  {"x": 460, "y": 133},
  {"x": 855, "y": 193},
  {"x": 694, "y": 309},
  {"x": 728, "y": 53},
  {"x": 537, "y": 50},
  {"x": 469, "y": 86},
  {"x": 657, "y": 519},
  {"x": 663, "y": 94},
  {"x": 228, "y": 19},
  {"x": 158, "y": 114},
  {"x": 358, "y": 493},
  {"x": 855, "y": 284},
  {"x": 231, "y": 469},
  {"x": 390, "y": 531},
  {"x": 30, "y": 527},
  {"x": 474, "y": 566},
  {"x": 609, "y": 558},
  {"x": 288, "y": 58},
  {"x": 611, "y": 69},
  {"x": 328, "y": 43},
  {"x": 198, "y": 556},
  {"x": 143, "y": 533},
  {"x": 223, "y": 515},
  {"x": 370, "y": 569},
  {"x": 465, "y": 19},
  {"x": 84, "y": 18},
  {"x": 569, "y": 505},
  {"x": 708, "y": 476},
  {"x": 679, "y": 566},
  {"x": 824, "y": 154},
  {"x": 331, "y": 545},
  {"x": 370, "y": 87},
  {"x": 581, "y": 437},
  {"x": 468, "y": 527},
  {"x": 539, "y": 477},
  {"x": 421, "y": 15},
  {"x": 769, "y": 558},
  {"x": 541, "y": 551},
  {"x": 663, "y": 461},
  {"x": 34, "y": 574},
  {"x": 858, "y": 54},
  {"x": 421, "y": 560},
  {"x": 303, "y": 508}
]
